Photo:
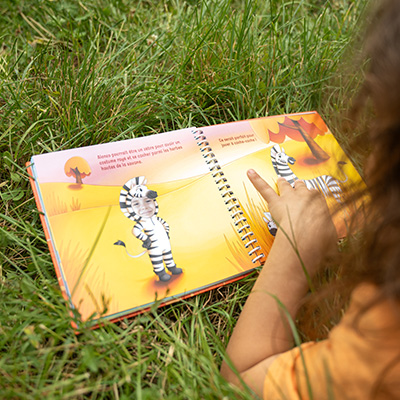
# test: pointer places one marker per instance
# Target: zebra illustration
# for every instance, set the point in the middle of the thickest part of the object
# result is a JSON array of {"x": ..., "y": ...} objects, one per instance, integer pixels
[
  {"x": 326, "y": 184},
  {"x": 270, "y": 223},
  {"x": 139, "y": 204}
]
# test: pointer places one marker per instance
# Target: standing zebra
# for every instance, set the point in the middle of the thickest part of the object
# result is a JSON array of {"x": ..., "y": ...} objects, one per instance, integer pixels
[
  {"x": 139, "y": 204},
  {"x": 326, "y": 184}
]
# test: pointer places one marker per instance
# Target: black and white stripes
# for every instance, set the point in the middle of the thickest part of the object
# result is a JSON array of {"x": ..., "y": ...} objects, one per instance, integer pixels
[
  {"x": 138, "y": 203},
  {"x": 326, "y": 184}
]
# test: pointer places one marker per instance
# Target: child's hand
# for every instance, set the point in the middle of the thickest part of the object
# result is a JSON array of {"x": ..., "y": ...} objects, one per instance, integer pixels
[
  {"x": 302, "y": 215},
  {"x": 147, "y": 243}
]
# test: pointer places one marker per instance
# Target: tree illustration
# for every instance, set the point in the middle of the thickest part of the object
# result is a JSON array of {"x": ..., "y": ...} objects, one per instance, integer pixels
[
  {"x": 302, "y": 128},
  {"x": 78, "y": 168}
]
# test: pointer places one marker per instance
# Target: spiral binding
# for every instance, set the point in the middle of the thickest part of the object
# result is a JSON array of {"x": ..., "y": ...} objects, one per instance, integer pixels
[{"x": 236, "y": 212}]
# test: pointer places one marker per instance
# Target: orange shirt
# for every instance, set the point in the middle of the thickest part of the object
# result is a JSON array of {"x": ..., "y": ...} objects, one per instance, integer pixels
[{"x": 359, "y": 360}]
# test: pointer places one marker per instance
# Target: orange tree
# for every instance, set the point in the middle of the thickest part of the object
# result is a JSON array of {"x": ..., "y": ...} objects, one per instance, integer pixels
[
  {"x": 302, "y": 128},
  {"x": 78, "y": 168}
]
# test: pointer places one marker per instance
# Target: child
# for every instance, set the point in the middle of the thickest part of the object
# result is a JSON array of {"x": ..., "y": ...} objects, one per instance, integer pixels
[
  {"x": 361, "y": 357},
  {"x": 139, "y": 203}
]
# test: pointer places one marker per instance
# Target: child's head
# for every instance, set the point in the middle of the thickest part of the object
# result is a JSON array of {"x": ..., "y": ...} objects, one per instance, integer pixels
[
  {"x": 380, "y": 98},
  {"x": 136, "y": 200},
  {"x": 143, "y": 207},
  {"x": 373, "y": 255},
  {"x": 382, "y": 88},
  {"x": 382, "y": 82}
]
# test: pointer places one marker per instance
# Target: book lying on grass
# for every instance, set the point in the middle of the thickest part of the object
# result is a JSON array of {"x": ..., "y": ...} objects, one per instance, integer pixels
[{"x": 167, "y": 216}]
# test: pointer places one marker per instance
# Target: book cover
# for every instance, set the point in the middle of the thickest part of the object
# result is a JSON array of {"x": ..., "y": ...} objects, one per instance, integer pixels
[{"x": 170, "y": 215}]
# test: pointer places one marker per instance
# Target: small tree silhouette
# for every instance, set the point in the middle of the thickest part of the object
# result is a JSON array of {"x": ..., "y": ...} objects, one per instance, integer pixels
[
  {"x": 297, "y": 127},
  {"x": 78, "y": 168}
]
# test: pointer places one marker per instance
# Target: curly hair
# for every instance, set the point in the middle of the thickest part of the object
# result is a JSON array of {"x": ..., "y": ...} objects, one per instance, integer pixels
[
  {"x": 371, "y": 253},
  {"x": 377, "y": 259}
]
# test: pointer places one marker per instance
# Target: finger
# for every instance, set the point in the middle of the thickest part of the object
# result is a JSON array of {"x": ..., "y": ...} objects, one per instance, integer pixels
[
  {"x": 300, "y": 184},
  {"x": 263, "y": 188},
  {"x": 283, "y": 186}
]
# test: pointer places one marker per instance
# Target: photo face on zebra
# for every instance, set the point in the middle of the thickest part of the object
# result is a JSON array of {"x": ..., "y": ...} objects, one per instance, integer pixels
[{"x": 144, "y": 207}]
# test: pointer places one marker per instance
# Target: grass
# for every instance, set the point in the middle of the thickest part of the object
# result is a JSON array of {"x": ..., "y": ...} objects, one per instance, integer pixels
[{"x": 75, "y": 73}]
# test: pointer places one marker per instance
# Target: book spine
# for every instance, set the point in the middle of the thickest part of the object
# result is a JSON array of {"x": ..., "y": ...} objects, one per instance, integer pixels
[{"x": 239, "y": 220}]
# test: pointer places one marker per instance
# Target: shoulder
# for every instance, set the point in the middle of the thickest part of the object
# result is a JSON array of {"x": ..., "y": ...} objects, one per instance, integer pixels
[{"x": 360, "y": 358}]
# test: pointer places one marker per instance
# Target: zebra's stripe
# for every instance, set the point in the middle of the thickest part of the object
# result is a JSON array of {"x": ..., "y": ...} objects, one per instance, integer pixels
[{"x": 325, "y": 184}]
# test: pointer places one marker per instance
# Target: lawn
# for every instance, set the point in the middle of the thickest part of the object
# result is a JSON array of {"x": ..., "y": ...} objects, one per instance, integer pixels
[{"x": 77, "y": 73}]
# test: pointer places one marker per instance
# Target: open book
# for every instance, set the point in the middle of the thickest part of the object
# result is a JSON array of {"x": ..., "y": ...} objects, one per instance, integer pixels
[{"x": 167, "y": 216}]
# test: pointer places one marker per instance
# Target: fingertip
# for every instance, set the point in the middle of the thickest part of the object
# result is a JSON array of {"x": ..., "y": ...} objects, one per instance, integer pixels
[
  {"x": 281, "y": 181},
  {"x": 283, "y": 185}
]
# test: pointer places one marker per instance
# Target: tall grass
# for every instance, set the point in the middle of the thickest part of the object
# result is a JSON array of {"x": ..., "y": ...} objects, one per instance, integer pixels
[{"x": 76, "y": 73}]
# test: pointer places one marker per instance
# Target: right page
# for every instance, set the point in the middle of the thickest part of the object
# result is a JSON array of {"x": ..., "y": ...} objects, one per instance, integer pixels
[{"x": 295, "y": 146}]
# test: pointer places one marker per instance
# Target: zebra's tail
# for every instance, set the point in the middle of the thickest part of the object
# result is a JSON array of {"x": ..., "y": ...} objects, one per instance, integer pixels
[
  {"x": 341, "y": 164},
  {"x": 121, "y": 243}
]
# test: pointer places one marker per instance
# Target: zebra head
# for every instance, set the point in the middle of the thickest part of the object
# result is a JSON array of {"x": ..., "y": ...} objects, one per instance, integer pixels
[
  {"x": 137, "y": 188},
  {"x": 270, "y": 223},
  {"x": 280, "y": 156},
  {"x": 280, "y": 160}
]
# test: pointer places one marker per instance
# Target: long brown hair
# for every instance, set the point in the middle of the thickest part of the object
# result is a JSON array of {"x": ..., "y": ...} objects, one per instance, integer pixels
[
  {"x": 377, "y": 260},
  {"x": 372, "y": 253}
]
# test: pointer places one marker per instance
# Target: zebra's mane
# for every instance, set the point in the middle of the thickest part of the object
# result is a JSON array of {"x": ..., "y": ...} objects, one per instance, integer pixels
[{"x": 274, "y": 151}]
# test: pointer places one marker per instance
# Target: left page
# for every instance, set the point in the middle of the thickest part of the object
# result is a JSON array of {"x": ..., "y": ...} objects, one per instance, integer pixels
[{"x": 108, "y": 253}]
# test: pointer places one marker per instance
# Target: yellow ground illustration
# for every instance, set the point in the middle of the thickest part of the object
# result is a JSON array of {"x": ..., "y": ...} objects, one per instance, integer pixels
[{"x": 101, "y": 278}]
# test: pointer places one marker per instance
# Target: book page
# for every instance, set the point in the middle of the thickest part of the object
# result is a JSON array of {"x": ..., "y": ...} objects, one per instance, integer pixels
[
  {"x": 86, "y": 217},
  {"x": 312, "y": 154}
]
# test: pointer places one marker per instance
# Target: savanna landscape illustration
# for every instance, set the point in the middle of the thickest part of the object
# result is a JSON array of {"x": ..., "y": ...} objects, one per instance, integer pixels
[
  {"x": 99, "y": 276},
  {"x": 86, "y": 221}
]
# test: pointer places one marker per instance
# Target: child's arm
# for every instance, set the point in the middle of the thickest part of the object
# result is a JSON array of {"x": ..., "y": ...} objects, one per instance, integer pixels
[
  {"x": 138, "y": 231},
  {"x": 262, "y": 332},
  {"x": 165, "y": 225}
]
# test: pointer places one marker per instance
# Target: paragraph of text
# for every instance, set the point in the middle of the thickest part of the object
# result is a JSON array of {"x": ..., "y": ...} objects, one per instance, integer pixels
[
  {"x": 134, "y": 156},
  {"x": 236, "y": 140}
]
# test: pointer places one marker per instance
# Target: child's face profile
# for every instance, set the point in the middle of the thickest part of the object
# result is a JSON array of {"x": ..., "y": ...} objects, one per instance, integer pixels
[{"x": 144, "y": 207}]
